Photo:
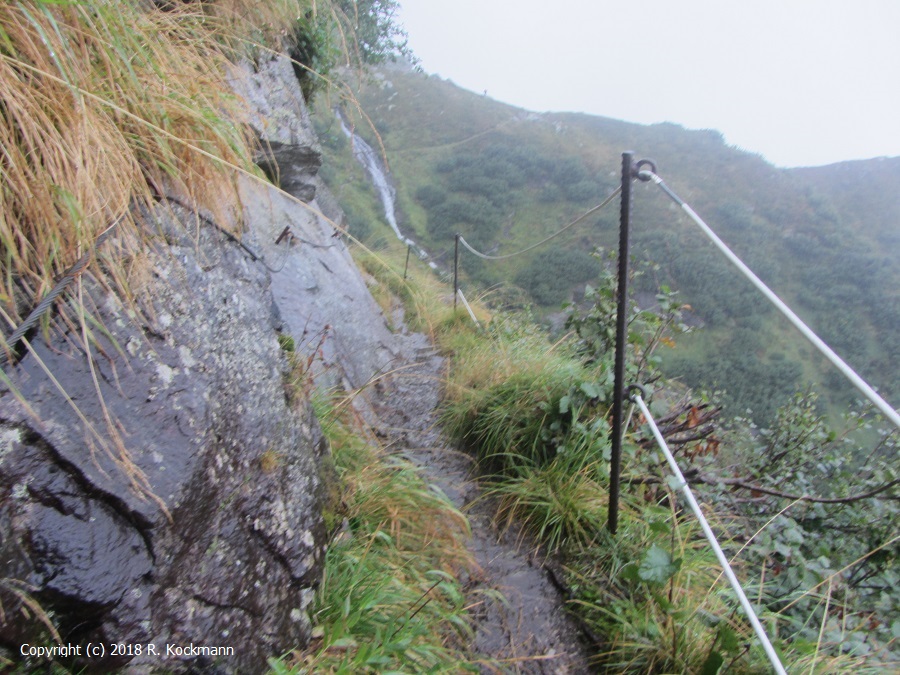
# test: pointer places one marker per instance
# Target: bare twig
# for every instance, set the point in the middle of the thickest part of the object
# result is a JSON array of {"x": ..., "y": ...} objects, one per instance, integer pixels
[{"x": 744, "y": 485}]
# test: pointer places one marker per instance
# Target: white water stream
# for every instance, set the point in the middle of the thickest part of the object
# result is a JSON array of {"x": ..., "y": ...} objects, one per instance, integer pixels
[{"x": 366, "y": 156}]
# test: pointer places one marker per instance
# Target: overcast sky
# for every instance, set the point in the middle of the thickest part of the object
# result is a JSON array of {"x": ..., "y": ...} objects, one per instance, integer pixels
[{"x": 801, "y": 82}]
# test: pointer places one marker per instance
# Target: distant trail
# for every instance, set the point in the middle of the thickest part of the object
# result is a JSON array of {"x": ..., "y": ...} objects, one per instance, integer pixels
[{"x": 530, "y": 633}]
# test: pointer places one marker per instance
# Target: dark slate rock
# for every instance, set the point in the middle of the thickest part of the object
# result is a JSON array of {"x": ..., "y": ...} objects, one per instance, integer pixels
[
  {"x": 291, "y": 168},
  {"x": 200, "y": 523}
]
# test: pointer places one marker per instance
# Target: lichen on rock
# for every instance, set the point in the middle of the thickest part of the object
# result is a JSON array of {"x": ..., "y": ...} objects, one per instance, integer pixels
[{"x": 173, "y": 532}]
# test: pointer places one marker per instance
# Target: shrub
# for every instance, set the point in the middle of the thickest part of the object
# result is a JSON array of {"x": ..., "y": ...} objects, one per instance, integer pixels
[{"x": 550, "y": 277}]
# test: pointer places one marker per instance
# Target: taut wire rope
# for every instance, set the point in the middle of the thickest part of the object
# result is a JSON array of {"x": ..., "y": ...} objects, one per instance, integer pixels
[
  {"x": 12, "y": 342},
  {"x": 710, "y": 537},
  {"x": 798, "y": 323}
]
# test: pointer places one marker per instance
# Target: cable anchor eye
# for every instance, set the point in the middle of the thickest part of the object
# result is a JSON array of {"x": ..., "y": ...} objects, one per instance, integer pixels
[{"x": 643, "y": 175}]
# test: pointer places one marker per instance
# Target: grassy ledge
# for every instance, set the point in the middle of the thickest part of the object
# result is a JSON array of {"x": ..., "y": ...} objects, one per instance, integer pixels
[
  {"x": 534, "y": 412},
  {"x": 390, "y": 599}
]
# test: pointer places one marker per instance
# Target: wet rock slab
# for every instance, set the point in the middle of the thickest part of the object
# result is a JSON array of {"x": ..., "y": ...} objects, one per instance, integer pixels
[{"x": 160, "y": 488}]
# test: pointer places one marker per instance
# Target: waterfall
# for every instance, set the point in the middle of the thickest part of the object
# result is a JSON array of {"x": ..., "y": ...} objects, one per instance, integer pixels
[{"x": 366, "y": 156}]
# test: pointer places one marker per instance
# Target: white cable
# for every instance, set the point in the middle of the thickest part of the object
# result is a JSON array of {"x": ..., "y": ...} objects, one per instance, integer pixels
[
  {"x": 711, "y": 537},
  {"x": 590, "y": 212},
  {"x": 466, "y": 303},
  {"x": 807, "y": 332}
]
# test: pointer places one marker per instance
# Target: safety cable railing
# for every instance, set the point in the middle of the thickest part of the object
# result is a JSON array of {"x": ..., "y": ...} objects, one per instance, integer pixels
[
  {"x": 635, "y": 170},
  {"x": 630, "y": 172},
  {"x": 635, "y": 392},
  {"x": 807, "y": 332},
  {"x": 579, "y": 219},
  {"x": 459, "y": 239}
]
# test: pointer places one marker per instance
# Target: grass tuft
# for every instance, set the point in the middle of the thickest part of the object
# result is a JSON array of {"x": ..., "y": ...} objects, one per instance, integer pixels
[
  {"x": 93, "y": 101},
  {"x": 389, "y": 599}
]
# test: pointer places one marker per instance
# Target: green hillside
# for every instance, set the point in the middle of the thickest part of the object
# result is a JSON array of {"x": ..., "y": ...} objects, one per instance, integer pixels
[{"x": 505, "y": 178}]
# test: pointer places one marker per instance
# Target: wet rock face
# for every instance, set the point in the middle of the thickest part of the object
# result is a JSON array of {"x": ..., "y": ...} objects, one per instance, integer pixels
[
  {"x": 289, "y": 151},
  {"x": 173, "y": 498},
  {"x": 323, "y": 300}
]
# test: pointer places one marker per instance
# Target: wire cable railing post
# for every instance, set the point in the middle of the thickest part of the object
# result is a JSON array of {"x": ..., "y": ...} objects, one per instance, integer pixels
[
  {"x": 406, "y": 266},
  {"x": 710, "y": 536},
  {"x": 798, "y": 323},
  {"x": 455, "y": 269},
  {"x": 615, "y": 460},
  {"x": 630, "y": 171}
]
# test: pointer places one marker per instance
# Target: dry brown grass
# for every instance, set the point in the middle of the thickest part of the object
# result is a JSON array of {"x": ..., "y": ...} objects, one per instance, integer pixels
[
  {"x": 105, "y": 104},
  {"x": 91, "y": 98}
]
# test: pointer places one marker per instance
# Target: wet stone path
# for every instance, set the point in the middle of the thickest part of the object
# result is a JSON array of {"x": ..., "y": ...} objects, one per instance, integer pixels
[{"x": 530, "y": 632}]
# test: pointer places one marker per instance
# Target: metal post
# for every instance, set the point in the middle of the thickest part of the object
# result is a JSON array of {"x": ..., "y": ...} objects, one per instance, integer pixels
[
  {"x": 615, "y": 462},
  {"x": 406, "y": 266},
  {"x": 455, "y": 269}
]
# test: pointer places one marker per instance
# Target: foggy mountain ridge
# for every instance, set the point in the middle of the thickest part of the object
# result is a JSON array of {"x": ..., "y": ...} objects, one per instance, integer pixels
[{"x": 821, "y": 237}]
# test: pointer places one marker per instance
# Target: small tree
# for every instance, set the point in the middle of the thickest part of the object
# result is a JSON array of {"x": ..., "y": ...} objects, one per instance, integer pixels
[{"x": 376, "y": 35}]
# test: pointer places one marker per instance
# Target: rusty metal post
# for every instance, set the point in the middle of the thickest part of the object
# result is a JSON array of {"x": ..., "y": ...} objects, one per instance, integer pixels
[
  {"x": 615, "y": 462},
  {"x": 630, "y": 171}
]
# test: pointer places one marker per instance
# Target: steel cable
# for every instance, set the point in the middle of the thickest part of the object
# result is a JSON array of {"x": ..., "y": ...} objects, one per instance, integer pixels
[
  {"x": 543, "y": 241},
  {"x": 65, "y": 281},
  {"x": 711, "y": 538},
  {"x": 798, "y": 323}
]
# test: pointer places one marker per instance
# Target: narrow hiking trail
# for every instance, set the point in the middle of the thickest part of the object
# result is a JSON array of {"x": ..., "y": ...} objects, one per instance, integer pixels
[
  {"x": 528, "y": 631},
  {"x": 351, "y": 340}
]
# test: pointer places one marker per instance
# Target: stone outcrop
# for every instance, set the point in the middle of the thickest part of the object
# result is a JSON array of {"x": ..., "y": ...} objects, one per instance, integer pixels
[
  {"x": 323, "y": 300},
  {"x": 163, "y": 486},
  {"x": 169, "y": 497},
  {"x": 288, "y": 151}
]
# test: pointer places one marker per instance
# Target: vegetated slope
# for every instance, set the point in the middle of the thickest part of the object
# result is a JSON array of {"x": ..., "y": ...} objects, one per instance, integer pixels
[
  {"x": 864, "y": 192},
  {"x": 505, "y": 178}
]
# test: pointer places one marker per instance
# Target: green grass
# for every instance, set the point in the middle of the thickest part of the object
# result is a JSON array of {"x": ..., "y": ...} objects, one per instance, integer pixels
[
  {"x": 563, "y": 503},
  {"x": 390, "y": 599},
  {"x": 504, "y": 393},
  {"x": 535, "y": 416},
  {"x": 550, "y": 473}
]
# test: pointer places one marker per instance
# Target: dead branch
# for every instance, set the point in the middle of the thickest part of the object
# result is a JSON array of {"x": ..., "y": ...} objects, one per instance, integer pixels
[{"x": 744, "y": 485}]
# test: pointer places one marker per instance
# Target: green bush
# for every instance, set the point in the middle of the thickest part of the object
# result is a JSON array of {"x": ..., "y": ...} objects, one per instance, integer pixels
[{"x": 551, "y": 276}]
